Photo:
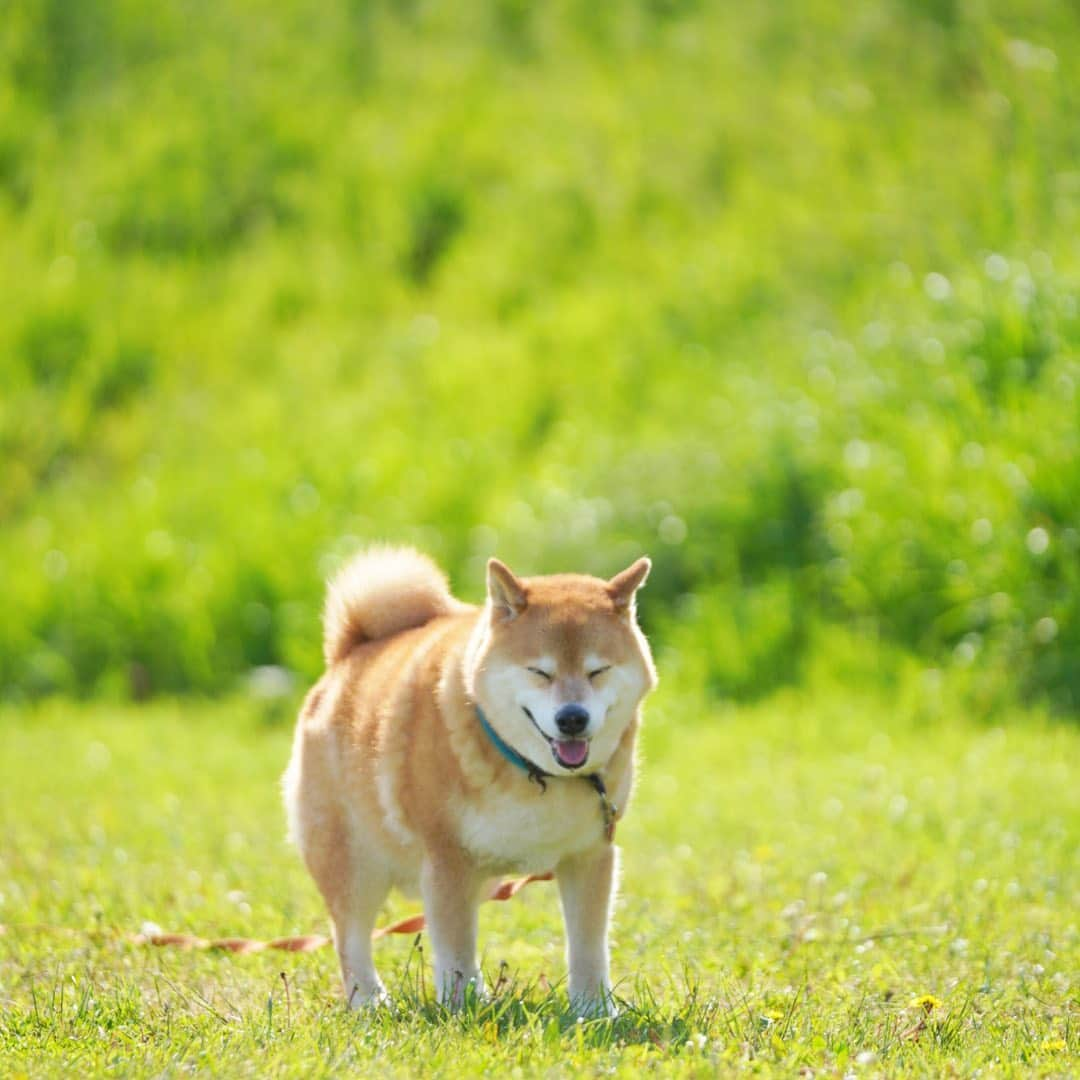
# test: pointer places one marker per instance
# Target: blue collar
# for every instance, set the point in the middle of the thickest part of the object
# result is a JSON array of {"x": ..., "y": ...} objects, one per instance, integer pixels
[
  {"x": 507, "y": 750},
  {"x": 607, "y": 808}
]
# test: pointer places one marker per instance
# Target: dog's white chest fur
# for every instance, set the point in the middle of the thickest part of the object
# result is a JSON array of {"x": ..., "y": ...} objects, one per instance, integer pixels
[{"x": 531, "y": 834}]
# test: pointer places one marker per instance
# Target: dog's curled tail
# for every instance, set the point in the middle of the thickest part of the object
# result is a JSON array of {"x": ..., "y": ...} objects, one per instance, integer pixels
[{"x": 380, "y": 592}]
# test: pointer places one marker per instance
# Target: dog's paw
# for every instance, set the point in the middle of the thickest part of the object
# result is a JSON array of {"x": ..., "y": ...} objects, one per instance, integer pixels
[
  {"x": 599, "y": 1005},
  {"x": 458, "y": 992},
  {"x": 367, "y": 997}
]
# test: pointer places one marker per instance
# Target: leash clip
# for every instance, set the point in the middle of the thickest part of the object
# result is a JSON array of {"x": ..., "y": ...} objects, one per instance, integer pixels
[{"x": 607, "y": 807}]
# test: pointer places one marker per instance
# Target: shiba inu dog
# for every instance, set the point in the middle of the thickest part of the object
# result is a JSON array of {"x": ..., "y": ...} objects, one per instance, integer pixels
[{"x": 448, "y": 744}]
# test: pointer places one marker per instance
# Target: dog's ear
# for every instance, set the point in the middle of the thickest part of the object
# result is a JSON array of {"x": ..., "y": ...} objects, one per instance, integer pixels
[
  {"x": 622, "y": 587},
  {"x": 506, "y": 593}
]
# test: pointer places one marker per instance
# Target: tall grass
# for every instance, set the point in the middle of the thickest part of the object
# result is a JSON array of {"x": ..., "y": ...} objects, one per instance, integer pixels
[{"x": 787, "y": 299}]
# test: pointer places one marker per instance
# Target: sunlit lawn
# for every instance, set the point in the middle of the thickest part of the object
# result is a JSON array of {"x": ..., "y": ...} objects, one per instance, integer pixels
[{"x": 802, "y": 886}]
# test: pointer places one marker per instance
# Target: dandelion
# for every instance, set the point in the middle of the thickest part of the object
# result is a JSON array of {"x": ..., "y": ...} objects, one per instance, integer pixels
[
  {"x": 1054, "y": 1046},
  {"x": 927, "y": 1002},
  {"x": 768, "y": 1019}
]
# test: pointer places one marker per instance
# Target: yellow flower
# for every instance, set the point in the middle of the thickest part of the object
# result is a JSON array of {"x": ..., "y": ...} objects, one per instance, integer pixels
[
  {"x": 1054, "y": 1045},
  {"x": 927, "y": 1002}
]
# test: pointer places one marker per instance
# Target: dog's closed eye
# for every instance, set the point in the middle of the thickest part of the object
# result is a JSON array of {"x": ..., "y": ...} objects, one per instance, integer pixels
[
  {"x": 597, "y": 672},
  {"x": 543, "y": 674}
]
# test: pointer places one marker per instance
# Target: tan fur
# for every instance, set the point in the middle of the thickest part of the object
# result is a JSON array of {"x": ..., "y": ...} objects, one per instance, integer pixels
[
  {"x": 380, "y": 592},
  {"x": 393, "y": 782}
]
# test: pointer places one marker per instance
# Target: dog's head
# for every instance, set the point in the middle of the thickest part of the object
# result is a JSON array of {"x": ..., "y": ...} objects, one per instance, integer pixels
[{"x": 559, "y": 665}]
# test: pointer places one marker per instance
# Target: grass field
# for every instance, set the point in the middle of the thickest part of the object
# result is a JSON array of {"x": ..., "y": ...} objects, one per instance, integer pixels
[
  {"x": 790, "y": 303},
  {"x": 785, "y": 296},
  {"x": 835, "y": 883}
]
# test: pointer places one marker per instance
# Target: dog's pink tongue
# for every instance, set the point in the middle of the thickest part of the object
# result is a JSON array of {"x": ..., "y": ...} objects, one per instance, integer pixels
[{"x": 572, "y": 751}]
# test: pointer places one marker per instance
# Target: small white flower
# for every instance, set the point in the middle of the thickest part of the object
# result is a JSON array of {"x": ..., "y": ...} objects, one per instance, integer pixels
[
  {"x": 937, "y": 287},
  {"x": 857, "y": 454},
  {"x": 996, "y": 267},
  {"x": 1038, "y": 540}
]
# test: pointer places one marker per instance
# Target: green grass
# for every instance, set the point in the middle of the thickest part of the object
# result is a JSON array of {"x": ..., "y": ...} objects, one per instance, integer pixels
[
  {"x": 795, "y": 875},
  {"x": 789, "y": 299},
  {"x": 792, "y": 303}
]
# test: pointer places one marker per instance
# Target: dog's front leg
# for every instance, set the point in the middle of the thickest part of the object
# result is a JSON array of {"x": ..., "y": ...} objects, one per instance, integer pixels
[
  {"x": 451, "y": 888},
  {"x": 586, "y": 885}
]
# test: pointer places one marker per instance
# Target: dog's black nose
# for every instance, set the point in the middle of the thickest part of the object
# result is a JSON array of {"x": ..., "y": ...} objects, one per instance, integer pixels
[{"x": 572, "y": 720}]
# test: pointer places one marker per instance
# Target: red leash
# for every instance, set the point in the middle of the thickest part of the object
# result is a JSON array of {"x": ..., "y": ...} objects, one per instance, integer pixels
[{"x": 505, "y": 890}]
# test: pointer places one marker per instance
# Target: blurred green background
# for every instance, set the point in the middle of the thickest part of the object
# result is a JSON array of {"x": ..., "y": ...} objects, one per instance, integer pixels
[{"x": 785, "y": 295}]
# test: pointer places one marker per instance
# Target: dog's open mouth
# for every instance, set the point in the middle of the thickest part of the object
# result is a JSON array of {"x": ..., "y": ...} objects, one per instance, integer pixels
[{"x": 569, "y": 753}]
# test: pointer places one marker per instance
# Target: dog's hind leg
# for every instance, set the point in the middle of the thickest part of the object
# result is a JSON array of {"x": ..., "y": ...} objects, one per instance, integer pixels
[
  {"x": 451, "y": 890},
  {"x": 353, "y": 882},
  {"x": 354, "y": 911}
]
